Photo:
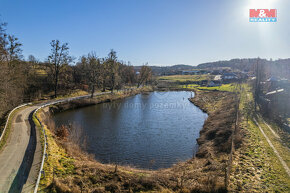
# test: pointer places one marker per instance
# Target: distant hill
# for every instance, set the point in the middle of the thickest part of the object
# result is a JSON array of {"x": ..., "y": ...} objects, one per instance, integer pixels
[
  {"x": 241, "y": 64},
  {"x": 167, "y": 70},
  {"x": 279, "y": 68}
]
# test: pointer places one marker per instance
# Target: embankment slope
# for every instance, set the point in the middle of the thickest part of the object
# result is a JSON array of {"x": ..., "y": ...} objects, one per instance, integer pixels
[{"x": 70, "y": 169}]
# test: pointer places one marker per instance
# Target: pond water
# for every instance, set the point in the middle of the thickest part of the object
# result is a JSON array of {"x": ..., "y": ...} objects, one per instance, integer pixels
[{"x": 149, "y": 131}]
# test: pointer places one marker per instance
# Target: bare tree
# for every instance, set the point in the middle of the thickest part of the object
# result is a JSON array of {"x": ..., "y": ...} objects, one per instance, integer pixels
[
  {"x": 103, "y": 74},
  {"x": 91, "y": 68},
  {"x": 58, "y": 58},
  {"x": 3, "y": 42},
  {"x": 14, "y": 48},
  {"x": 113, "y": 69},
  {"x": 145, "y": 75},
  {"x": 33, "y": 60},
  {"x": 12, "y": 77},
  {"x": 127, "y": 73}
]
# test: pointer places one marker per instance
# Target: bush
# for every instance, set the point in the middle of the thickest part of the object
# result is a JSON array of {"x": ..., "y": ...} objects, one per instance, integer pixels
[{"x": 62, "y": 132}]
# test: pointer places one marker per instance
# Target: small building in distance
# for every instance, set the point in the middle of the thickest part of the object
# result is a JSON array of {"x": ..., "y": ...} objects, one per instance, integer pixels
[
  {"x": 218, "y": 77},
  {"x": 229, "y": 76}
]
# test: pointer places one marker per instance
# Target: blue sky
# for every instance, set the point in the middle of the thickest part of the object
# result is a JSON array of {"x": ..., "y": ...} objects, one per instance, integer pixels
[{"x": 160, "y": 32}]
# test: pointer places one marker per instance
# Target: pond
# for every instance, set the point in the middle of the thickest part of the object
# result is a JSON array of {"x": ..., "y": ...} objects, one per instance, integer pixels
[{"x": 151, "y": 131}]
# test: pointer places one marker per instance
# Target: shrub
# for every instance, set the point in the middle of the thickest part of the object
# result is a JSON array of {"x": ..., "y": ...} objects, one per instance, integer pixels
[{"x": 62, "y": 132}]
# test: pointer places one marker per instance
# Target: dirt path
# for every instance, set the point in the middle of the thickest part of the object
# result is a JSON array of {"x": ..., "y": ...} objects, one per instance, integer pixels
[
  {"x": 274, "y": 133},
  {"x": 274, "y": 149}
]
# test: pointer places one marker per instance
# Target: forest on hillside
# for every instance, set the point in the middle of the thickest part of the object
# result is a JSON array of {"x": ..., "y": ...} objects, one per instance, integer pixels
[{"x": 280, "y": 67}]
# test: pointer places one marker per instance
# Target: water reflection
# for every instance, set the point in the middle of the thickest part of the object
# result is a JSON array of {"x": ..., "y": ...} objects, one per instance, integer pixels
[{"x": 147, "y": 130}]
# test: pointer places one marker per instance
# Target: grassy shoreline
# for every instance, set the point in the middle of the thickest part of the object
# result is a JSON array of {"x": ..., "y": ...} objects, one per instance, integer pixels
[{"x": 69, "y": 169}]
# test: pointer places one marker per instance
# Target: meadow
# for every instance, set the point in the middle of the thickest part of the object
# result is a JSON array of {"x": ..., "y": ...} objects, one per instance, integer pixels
[{"x": 184, "y": 78}]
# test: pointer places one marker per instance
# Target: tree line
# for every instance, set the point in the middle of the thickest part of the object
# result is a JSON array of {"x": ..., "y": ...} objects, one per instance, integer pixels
[{"x": 26, "y": 80}]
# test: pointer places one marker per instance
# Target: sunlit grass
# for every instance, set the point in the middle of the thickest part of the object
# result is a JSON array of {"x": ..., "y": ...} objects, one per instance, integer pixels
[
  {"x": 224, "y": 87},
  {"x": 281, "y": 148},
  {"x": 189, "y": 86},
  {"x": 184, "y": 78},
  {"x": 41, "y": 72},
  {"x": 57, "y": 162},
  {"x": 256, "y": 168},
  {"x": 73, "y": 94}
]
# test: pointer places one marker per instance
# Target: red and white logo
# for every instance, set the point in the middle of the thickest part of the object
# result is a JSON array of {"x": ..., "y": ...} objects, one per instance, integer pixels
[{"x": 263, "y": 15}]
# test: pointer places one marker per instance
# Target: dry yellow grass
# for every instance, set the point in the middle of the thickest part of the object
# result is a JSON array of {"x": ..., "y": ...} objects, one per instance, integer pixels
[{"x": 76, "y": 171}]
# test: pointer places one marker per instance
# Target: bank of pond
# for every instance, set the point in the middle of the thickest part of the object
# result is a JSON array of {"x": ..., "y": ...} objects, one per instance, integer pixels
[{"x": 150, "y": 131}]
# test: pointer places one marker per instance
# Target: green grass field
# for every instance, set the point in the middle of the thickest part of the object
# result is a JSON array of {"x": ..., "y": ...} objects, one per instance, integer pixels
[
  {"x": 224, "y": 87},
  {"x": 184, "y": 78}
]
